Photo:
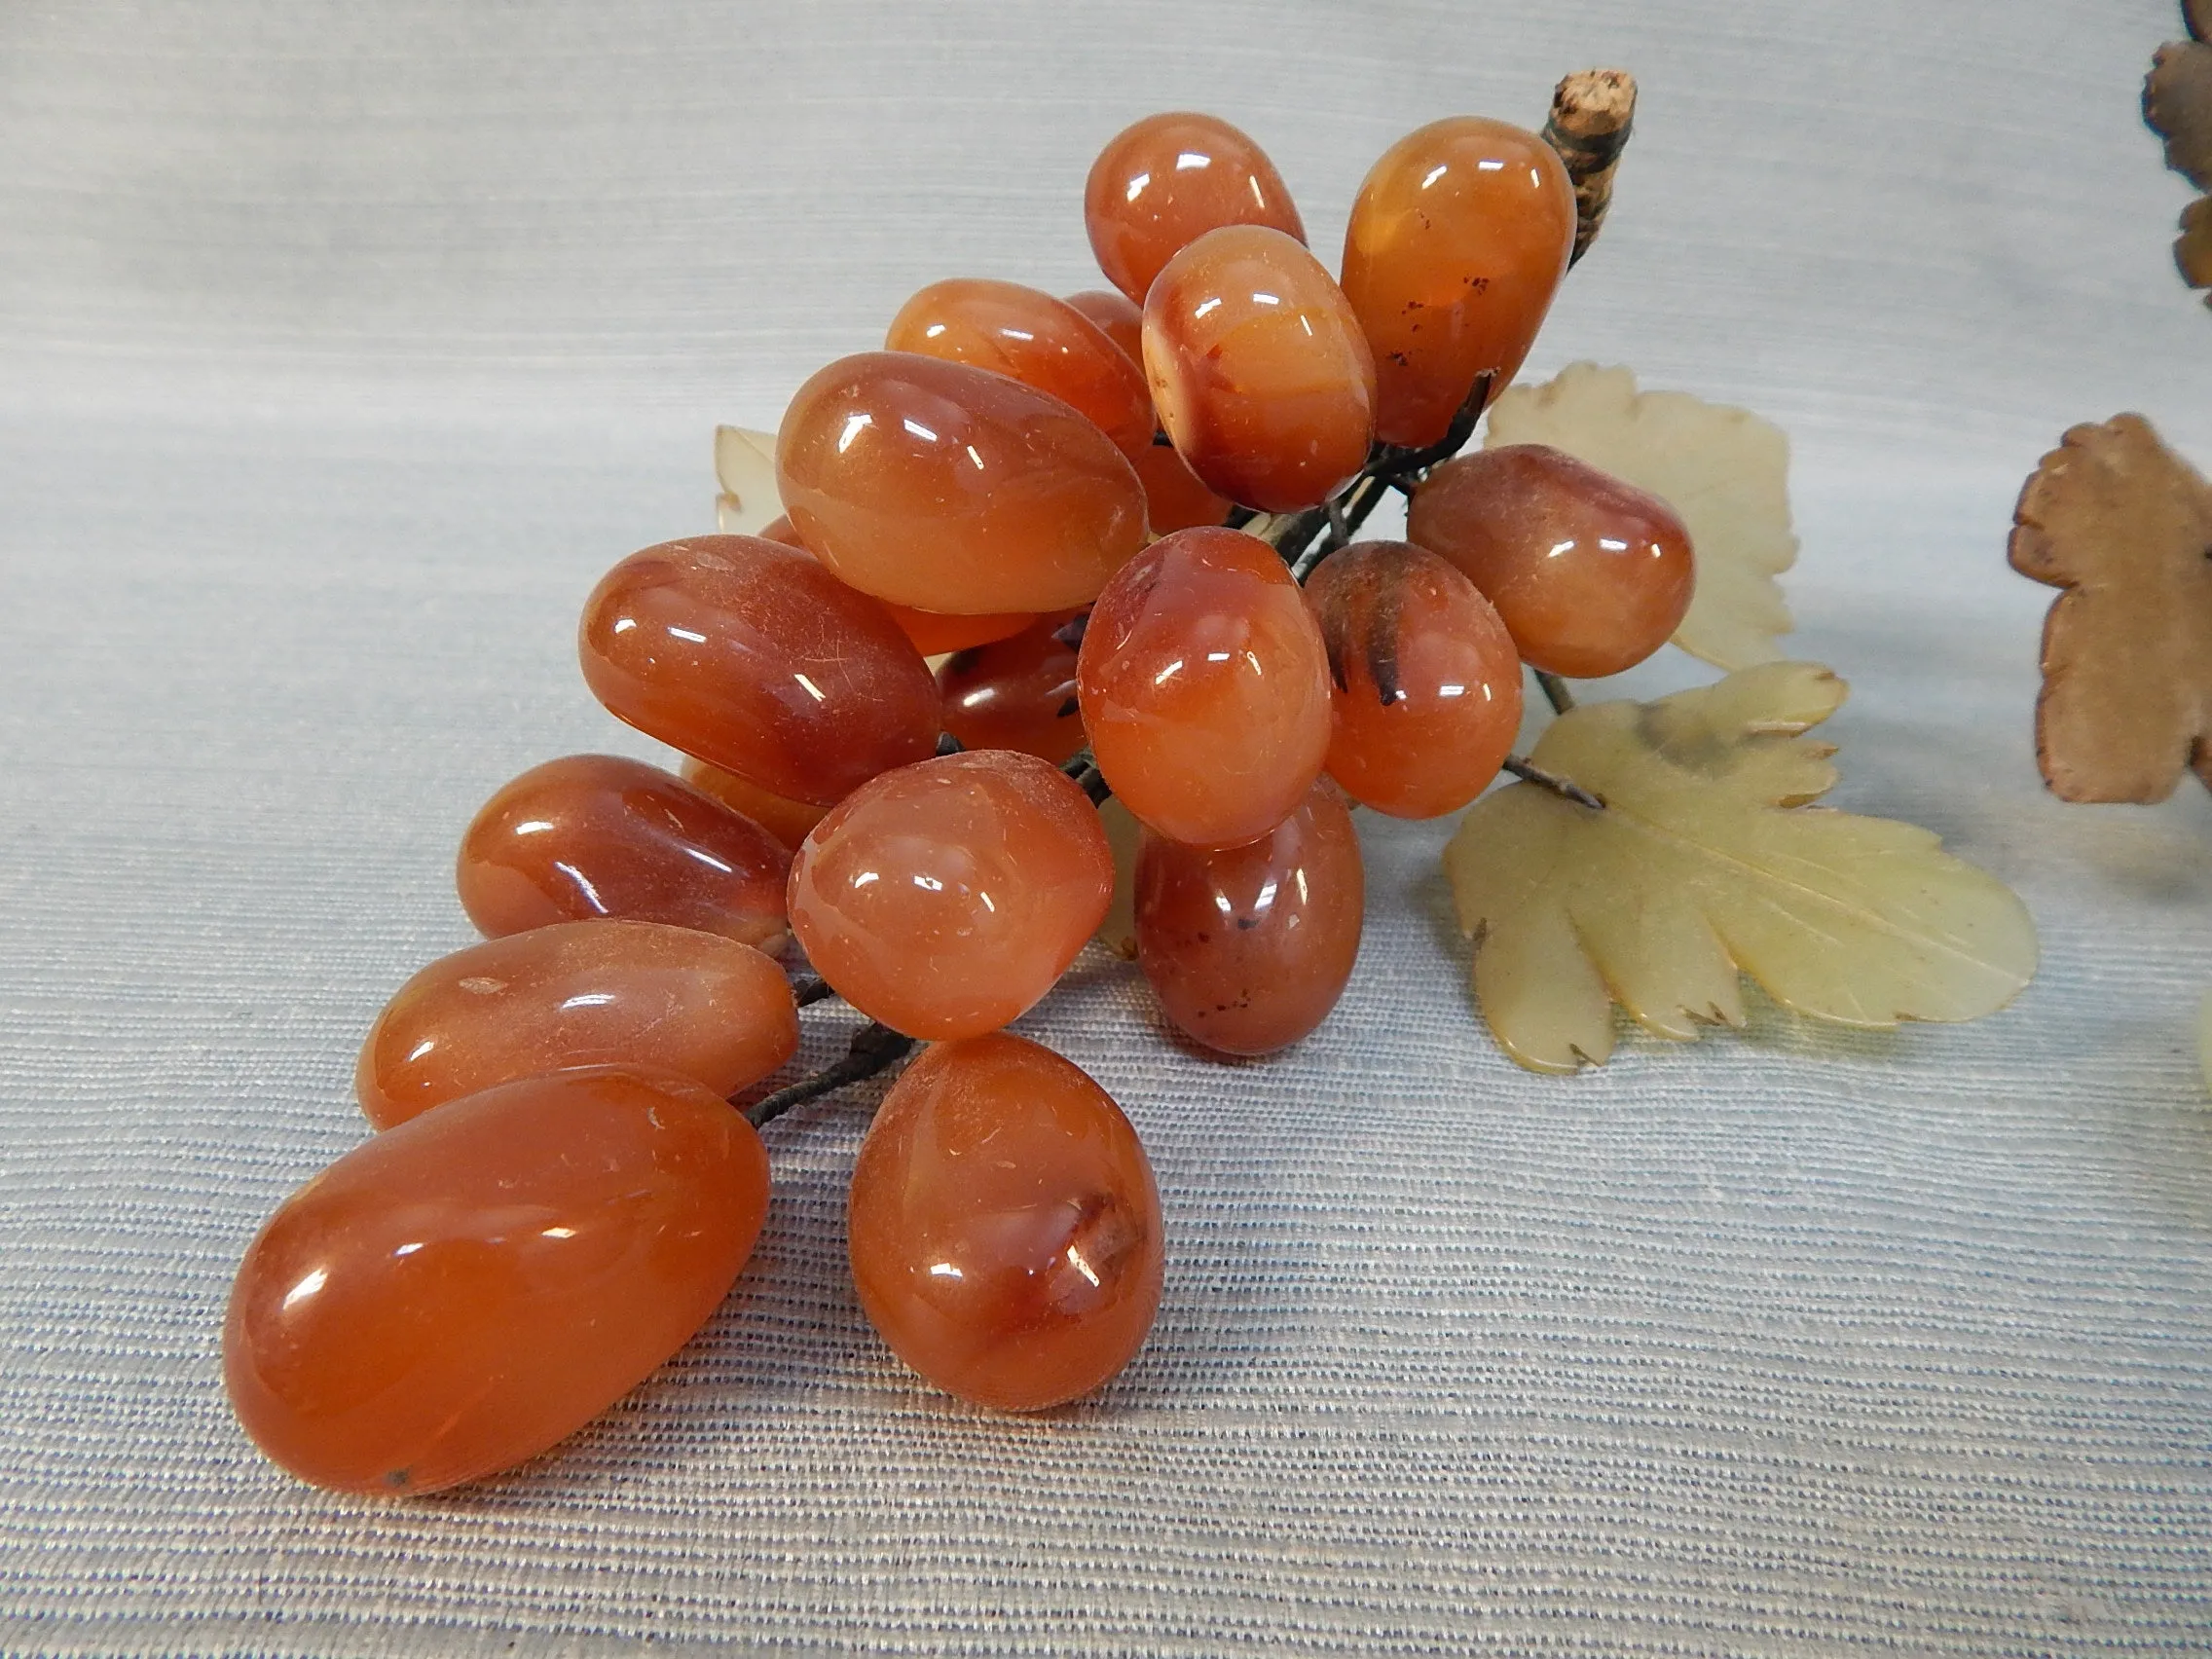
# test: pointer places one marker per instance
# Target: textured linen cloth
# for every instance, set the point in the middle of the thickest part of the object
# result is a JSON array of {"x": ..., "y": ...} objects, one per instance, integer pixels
[{"x": 343, "y": 347}]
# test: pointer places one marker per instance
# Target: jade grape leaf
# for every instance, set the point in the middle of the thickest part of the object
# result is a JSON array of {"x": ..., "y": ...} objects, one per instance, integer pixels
[
  {"x": 1707, "y": 863},
  {"x": 1118, "y": 933},
  {"x": 745, "y": 465},
  {"x": 1725, "y": 470},
  {"x": 2124, "y": 526}
]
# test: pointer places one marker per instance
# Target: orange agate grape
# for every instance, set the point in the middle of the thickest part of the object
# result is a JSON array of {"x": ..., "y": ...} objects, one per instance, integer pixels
[
  {"x": 933, "y": 632},
  {"x": 1204, "y": 688},
  {"x": 1456, "y": 245},
  {"x": 749, "y": 655},
  {"x": 1160, "y": 184},
  {"x": 953, "y": 488},
  {"x": 1016, "y": 693},
  {"x": 787, "y": 820},
  {"x": 467, "y": 1290},
  {"x": 1259, "y": 370},
  {"x": 945, "y": 897},
  {"x": 1035, "y": 339},
  {"x": 1174, "y": 499},
  {"x": 1249, "y": 947},
  {"x": 1590, "y": 575},
  {"x": 577, "y": 994},
  {"x": 1004, "y": 1227},
  {"x": 1428, "y": 684},
  {"x": 601, "y": 835}
]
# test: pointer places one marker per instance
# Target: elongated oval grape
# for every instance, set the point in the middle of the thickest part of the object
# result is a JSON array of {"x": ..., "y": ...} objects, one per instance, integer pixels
[
  {"x": 932, "y": 632},
  {"x": 1590, "y": 575},
  {"x": 1428, "y": 684},
  {"x": 468, "y": 1290},
  {"x": 1016, "y": 693},
  {"x": 1160, "y": 184},
  {"x": 953, "y": 488},
  {"x": 787, "y": 820},
  {"x": 1174, "y": 497},
  {"x": 1249, "y": 947},
  {"x": 1204, "y": 688},
  {"x": 577, "y": 994},
  {"x": 944, "y": 898},
  {"x": 599, "y": 835},
  {"x": 1457, "y": 244},
  {"x": 1004, "y": 1227},
  {"x": 749, "y": 655},
  {"x": 1259, "y": 370},
  {"x": 1035, "y": 339}
]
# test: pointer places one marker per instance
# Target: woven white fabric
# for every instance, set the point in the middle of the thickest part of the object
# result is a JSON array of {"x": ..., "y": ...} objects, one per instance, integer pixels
[{"x": 343, "y": 347}]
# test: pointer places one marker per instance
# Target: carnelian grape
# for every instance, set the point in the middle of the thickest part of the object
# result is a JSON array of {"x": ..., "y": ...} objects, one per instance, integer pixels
[
  {"x": 1454, "y": 247},
  {"x": 599, "y": 835},
  {"x": 1016, "y": 693},
  {"x": 787, "y": 820},
  {"x": 577, "y": 994},
  {"x": 945, "y": 897},
  {"x": 1174, "y": 498},
  {"x": 1249, "y": 947},
  {"x": 1204, "y": 688},
  {"x": 1590, "y": 574},
  {"x": 1035, "y": 339},
  {"x": 749, "y": 655},
  {"x": 1259, "y": 370},
  {"x": 1004, "y": 1227},
  {"x": 948, "y": 487},
  {"x": 1160, "y": 184},
  {"x": 933, "y": 632},
  {"x": 1428, "y": 684},
  {"x": 469, "y": 1289}
]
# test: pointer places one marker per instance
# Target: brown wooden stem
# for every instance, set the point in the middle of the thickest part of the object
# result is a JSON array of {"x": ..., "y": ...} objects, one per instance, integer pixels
[{"x": 1592, "y": 113}]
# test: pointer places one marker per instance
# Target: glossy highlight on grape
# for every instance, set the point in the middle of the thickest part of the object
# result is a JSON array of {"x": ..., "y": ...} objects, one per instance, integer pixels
[
  {"x": 601, "y": 835},
  {"x": 747, "y": 654},
  {"x": 946, "y": 898},
  {"x": 1204, "y": 688},
  {"x": 467, "y": 1290},
  {"x": 1004, "y": 1225}
]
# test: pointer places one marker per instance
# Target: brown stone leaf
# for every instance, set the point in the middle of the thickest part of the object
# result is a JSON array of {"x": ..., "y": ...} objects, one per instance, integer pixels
[
  {"x": 2124, "y": 526},
  {"x": 2177, "y": 102}
]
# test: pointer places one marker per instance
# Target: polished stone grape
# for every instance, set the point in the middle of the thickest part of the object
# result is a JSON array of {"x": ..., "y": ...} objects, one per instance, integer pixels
[
  {"x": 599, "y": 835},
  {"x": 1204, "y": 688},
  {"x": 1004, "y": 1227},
  {"x": 1590, "y": 575},
  {"x": 1018, "y": 694},
  {"x": 749, "y": 655},
  {"x": 787, "y": 820},
  {"x": 1259, "y": 370},
  {"x": 1249, "y": 947},
  {"x": 1457, "y": 244},
  {"x": 933, "y": 632},
  {"x": 1428, "y": 684},
  {"x": 467, "y": 1290},
  {"x": 577, "y": 994},
  {"x": 1160, "y": 184},
  {"x": 946, "y": 898},
  {"x": 1035, "y": 339},
  {"x": 1174, "y": 498},
  {"x": 953, "y": 488}
]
